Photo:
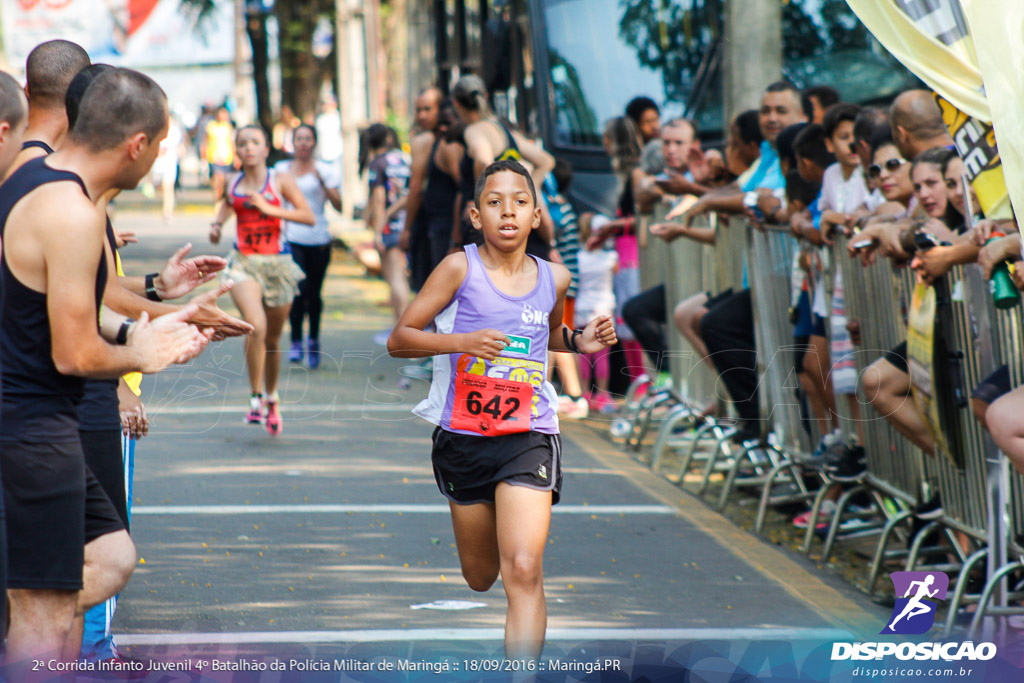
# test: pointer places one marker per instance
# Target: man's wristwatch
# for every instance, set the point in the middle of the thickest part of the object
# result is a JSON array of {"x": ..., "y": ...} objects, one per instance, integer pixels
[
  {"x": 151, "y": 292},
  {"x": 122, "y": 332}
]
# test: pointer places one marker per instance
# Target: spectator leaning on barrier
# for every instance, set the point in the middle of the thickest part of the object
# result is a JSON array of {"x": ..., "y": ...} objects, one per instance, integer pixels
[
  {"x": 813, "y": 361},
  {"x": 871, "y": 123},
  {"x": 886, "y": 385},
  {"x": 816, "y": 100},
  {"x": 645, "y": 314},
  {"x": 727, "y": 328},
  {"x": 742, "y": 151},
  {"x": 682, "y": 169}
]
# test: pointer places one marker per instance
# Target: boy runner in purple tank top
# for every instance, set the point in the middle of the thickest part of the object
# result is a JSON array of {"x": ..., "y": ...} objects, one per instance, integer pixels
[{"x": 496, "y": 454}]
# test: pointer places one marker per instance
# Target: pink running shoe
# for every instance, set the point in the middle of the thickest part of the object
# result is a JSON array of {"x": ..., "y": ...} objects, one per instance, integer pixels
[{"x": 274, "y": 422}]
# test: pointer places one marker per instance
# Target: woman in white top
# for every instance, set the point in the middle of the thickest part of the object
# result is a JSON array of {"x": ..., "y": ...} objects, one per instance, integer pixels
[{"x": 310, "y": 244}]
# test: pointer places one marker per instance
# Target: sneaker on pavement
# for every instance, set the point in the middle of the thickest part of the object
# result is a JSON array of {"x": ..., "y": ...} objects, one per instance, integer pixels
[
  {"x": 846, "y": 464},
  {"x": 295, "y": 353},
  {"x": 274, "y": 422},
  {"x": 255, "y": 415},
  {"x": 574, "y": 409},
  {"x": 824, "y": 513},
  {"x": 313, "y": 348}
]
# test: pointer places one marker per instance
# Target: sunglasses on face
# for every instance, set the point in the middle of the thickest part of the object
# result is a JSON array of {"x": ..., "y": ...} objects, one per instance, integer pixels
[{"x": 892, "y": 165}]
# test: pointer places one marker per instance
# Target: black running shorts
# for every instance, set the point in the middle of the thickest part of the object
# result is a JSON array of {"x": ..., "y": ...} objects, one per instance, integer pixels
[
  {"x": 103, "y": 457},
  {"x": 54, "y": 507},
  {"x": 469, "y": 468}
]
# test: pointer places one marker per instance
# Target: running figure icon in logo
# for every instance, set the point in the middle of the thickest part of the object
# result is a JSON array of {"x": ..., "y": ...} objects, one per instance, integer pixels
[{"x": 915, "y": 596}]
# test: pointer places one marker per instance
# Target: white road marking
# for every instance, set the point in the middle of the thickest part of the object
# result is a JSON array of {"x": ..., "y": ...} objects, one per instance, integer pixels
[
  {"x": 480, "y": 634},
  {"x": 292, "y": 408},
  {"x": 403, "y": 508}
]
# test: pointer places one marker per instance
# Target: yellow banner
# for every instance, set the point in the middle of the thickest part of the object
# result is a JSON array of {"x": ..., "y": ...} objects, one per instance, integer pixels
[
  {"x": 962, "y": 54},
  {"x": 996, "y": 27},
  {"x": 921, "y": 363}
]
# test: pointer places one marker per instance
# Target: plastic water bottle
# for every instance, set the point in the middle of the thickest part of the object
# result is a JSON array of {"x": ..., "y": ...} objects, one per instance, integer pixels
[{"x": 1004, "y": 292}]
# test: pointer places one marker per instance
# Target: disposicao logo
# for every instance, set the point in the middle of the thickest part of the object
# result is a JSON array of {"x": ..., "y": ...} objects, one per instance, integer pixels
[{"x": 917, "y": 594}]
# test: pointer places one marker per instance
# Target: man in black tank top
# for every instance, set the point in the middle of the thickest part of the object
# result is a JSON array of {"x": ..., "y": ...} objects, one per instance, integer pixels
[
  {"x": 48, "y": 71},
  {"x": 13, "y": 121},
  {"x": 52, "y": 335}
]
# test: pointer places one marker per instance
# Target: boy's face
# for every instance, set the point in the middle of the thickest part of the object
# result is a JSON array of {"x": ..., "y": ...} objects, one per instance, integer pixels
[
  {"x": 809, "y": 171},
  {"x": 507, "y": 211},
  {"x": 841, "y": 145}
]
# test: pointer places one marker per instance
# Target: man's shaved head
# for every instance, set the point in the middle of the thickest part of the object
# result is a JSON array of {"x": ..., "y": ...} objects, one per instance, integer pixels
[
  {"x": 12, "y": 100},
  {"x": 118, "y": 104},
  {"x": 428, "y": 103},
  {"x": 49, "y": 69},
  {"x": 916, "y": 122}
]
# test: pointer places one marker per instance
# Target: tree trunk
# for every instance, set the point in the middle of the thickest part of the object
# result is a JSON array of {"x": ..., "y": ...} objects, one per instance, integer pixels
[
  {"x": 300, "y": 88},
  {"x": 256, "y": 27}
]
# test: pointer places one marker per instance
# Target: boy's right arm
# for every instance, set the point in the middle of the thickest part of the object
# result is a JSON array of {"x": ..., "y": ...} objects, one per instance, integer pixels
[{"x": 408, "y": 340}]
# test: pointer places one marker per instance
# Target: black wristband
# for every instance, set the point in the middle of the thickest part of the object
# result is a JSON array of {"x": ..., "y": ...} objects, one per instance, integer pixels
[
  {"x": 151, "y": 287},
  {"x": 122, "y": 332},
  {"x": 570, "y": 342}
]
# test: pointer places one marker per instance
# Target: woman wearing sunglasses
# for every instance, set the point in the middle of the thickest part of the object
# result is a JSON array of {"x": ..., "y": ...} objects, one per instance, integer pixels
[{"x": 890, "y": 173}]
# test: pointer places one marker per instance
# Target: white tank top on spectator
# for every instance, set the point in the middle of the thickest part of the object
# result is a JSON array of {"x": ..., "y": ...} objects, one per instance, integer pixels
[
  {"x": 318, "y": 233},
  {"x": 597, "y": 271}
]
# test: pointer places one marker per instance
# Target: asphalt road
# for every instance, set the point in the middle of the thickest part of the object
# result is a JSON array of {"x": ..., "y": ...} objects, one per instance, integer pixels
[{"x": 328, "y": 540}]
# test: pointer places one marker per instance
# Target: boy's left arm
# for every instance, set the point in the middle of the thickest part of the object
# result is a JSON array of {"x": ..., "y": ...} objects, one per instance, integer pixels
[{"x": 599, "y": 332}]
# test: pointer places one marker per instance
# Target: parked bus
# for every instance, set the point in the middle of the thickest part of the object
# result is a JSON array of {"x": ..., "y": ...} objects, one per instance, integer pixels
[{"x": 559, "y": 69}]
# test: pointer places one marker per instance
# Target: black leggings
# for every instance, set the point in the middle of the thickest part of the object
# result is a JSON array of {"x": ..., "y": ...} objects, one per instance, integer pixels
[
  {"x": 313, "y": 260},
  {"x": 646, "y": 316},
  {"x": 728, "y": 333}
]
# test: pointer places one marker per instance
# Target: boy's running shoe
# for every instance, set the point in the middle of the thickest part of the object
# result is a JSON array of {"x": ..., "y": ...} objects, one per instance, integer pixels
[
  {"x": 313, "y": 349},
  {"x": 255, "y": 415},
  {"x": 274, "y": 422},
  {"x": 295, "y": 354}
]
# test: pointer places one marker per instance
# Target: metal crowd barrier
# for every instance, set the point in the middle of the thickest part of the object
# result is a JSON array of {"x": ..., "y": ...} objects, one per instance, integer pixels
[{"x": 981, "y": 499}]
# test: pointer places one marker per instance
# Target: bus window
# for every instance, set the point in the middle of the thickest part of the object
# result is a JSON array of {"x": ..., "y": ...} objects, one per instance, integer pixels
[
  {"x": 602, "y": 53},
  {"x": 823, "y": 43}
]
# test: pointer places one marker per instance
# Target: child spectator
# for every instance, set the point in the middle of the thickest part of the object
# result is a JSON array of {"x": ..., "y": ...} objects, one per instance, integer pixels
[
  {"x": 595, "y": 297},
  {"x": 812, "y": 158},
  {"x": 571, "y": 403}
]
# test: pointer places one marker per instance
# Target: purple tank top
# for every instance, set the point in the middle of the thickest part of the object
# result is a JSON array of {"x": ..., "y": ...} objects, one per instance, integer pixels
[{"x": 470, "y": 395}]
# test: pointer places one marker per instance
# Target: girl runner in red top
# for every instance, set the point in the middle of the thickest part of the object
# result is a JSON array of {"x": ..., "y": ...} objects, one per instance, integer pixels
[
  {"x": 496, "y": 450},
  {"x": 266, "y": 278}
]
